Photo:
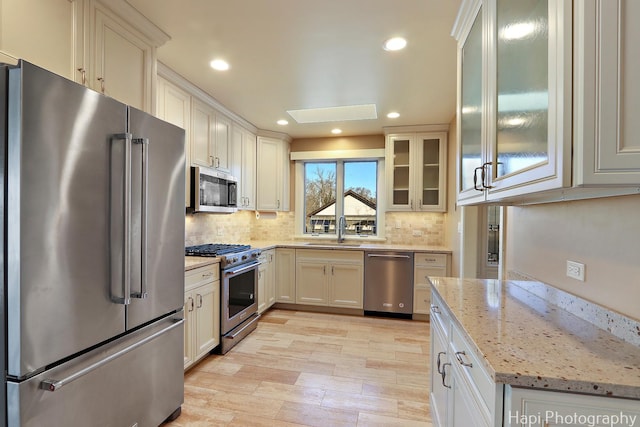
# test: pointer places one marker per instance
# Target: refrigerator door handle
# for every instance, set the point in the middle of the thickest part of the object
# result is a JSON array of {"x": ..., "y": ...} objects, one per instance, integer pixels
[
  {"x": 121, "y": 242},
  {"x": 144, "y": 145},
  {"x": 55, "y": 385}
]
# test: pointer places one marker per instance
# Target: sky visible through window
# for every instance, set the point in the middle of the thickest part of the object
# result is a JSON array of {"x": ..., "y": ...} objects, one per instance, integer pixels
[{"x": 357, "y": 174}]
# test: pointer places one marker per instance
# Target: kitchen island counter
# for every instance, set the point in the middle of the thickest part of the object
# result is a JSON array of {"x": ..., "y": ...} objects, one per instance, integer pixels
[{"x": 525, "y": 341}]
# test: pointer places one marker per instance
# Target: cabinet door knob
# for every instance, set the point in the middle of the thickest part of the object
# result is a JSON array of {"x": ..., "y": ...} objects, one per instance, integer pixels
[
  {"x": 102, "y": 82},
  {"x": 83, "y": 74}
]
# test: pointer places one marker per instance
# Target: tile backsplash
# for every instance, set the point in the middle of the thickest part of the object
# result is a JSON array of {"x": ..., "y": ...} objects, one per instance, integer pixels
[{"x": 411, "y": 228}]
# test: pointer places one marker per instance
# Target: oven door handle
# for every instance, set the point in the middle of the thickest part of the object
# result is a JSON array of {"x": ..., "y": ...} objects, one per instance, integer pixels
[{"x": 240, "y": 270}]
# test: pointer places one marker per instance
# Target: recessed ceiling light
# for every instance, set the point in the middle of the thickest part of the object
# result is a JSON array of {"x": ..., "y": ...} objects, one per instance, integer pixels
[
  {"x": 282, "y": 122},
  {"x": 393, "y": 115},
  {"x": 336, "y": 131},
  {"x": 219, "y": 64},
  {"x": 395, "y": 43}
]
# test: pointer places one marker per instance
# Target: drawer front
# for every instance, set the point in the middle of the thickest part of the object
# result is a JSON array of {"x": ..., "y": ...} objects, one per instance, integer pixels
[
  {"x": 463, "y": 355},
  {"x": 421, "y": 300},
  {"x": 425, "y": 259},
  {"x": 439, "y": 315},
  {"x": 420, "y": 274},
  {"x": 201, "y": 275},
  {"x": 331, "y": 255}
]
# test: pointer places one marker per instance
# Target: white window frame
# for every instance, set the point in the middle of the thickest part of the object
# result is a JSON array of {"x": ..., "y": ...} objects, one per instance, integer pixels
[{"x": 302, "y": 157}]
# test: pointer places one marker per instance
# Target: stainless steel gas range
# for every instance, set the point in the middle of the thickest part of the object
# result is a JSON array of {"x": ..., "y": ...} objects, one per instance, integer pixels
[{"x": 239, "y": 289}]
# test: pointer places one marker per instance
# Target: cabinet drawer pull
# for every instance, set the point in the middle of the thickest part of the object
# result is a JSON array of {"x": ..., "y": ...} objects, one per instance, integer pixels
[
  {"x": 459, "y": 355},
  {"x": 444, "y": 374},
  {"x": 435, "y": 309},
  {"x": 439, "y": 361},
  {"x": 205, "y": 275}
]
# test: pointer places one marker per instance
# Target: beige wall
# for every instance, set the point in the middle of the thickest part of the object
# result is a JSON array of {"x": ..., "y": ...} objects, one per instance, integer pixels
[
  {"x": 243, "y": 226},
  {"x": 603, "y": 233},
  {"x": 338, "y": 143}
]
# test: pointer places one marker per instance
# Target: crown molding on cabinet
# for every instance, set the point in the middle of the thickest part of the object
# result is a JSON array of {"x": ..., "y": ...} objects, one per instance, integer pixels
[
  {"x": 415, "y": 129},
  {"x": 175, "y": 78}
]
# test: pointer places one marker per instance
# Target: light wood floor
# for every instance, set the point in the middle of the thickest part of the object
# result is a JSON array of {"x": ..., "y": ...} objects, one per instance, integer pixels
[{"x": 313, "y": 369}]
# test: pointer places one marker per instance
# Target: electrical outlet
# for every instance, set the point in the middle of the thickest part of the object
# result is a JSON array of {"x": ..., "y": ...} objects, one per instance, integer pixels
[
  {"x": 398, "y": 224},
  {"x": 575, "y": 270},
  {"x": 417, "y": 233},
  {"x": 220, "y": 232}
]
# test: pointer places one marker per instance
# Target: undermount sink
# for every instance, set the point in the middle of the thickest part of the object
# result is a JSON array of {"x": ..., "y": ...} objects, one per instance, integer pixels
[{"x": 333, "y": 244}]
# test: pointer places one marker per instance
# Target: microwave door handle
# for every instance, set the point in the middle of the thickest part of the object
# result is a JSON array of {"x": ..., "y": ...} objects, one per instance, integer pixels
[
  {"x": 144, "y": 145},
  {"x": 120, "y": 252}
]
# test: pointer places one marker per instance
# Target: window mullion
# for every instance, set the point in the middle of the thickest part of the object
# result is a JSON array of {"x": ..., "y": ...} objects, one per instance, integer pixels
[{"x": 339, "y": 190}]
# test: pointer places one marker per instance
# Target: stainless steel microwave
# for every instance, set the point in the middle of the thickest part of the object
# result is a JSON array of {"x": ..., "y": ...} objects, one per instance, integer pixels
[{"x": 213, "y": 191}]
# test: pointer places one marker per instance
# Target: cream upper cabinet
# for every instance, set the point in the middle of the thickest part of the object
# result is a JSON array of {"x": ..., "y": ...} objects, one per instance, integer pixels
[
  {"x": 547, "y": 100},
  {"x": 40, "y": 31},
  {"x": 514, "y": 98},
  {"x": 416, "y": 171},
  {"x": 272, "y": 176},
  {"x": 211, "y": 137},
  {"x": 174, "y": 106},
  {"x": 118, "y": 57},
  {"x": 202, "y": 118},
  {"x": 606, "y": 93},
  {"x": 222, "y": 148},
  {"x": 243, "y": 166}
]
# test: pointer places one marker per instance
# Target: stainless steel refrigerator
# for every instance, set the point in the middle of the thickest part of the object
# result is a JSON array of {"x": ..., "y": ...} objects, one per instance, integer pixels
[{"x": 93, "y": 256}]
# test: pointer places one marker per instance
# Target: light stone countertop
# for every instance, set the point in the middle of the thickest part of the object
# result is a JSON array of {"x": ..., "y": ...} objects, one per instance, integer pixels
[
  {"x": 193, "y": 262},
  {"x": 348, "y": 245},
  {"x": 524, "y": 340}
]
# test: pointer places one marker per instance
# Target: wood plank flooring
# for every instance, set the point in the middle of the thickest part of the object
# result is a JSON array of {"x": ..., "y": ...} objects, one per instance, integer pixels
[{"x": 314, "y": 369}]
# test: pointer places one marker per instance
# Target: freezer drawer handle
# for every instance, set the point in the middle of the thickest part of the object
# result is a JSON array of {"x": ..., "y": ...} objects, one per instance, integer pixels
[
  {"x": 55, "y": 385},
  {"x": 387, "y": 256}
]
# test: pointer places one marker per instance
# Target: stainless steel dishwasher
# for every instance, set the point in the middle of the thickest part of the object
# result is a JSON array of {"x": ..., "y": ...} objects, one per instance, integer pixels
[{"x": 388, "y": 283}]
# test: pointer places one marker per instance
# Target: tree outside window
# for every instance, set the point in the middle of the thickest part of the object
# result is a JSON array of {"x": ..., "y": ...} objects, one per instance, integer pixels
[{"x": 358, "y": 183}]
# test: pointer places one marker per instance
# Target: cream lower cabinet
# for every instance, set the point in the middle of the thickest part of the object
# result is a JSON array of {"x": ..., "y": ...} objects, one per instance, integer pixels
[
  {"x": 331, "y": 278},
  {"x": 462, "y": 393},
  {"x": 266, "y": 280},
  {"x": 285, "y": 285},
  {"x": 202, "y": 313},
  {"x": 425, "y": 265},
  {"x": 541, "y": 408}
]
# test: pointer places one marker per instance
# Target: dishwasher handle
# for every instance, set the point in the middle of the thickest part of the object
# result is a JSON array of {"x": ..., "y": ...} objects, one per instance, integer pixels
[{"x": 388, "y": 256}]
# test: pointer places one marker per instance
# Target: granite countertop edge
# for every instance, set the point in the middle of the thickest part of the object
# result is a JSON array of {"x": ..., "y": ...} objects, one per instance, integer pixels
[{"x": 569, "y": 354}]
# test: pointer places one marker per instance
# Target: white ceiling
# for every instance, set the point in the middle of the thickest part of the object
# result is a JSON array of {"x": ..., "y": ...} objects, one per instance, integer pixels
[{"x": 296, "y": 54}]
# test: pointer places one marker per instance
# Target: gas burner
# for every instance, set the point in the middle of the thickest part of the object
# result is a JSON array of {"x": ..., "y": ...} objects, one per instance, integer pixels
[
  {"x": 230, "y": 255},
  {"x": 215, "y": 249}
]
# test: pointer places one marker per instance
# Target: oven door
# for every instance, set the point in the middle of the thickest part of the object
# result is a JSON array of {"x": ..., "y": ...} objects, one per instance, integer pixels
[{"x": 239, "y": 295}]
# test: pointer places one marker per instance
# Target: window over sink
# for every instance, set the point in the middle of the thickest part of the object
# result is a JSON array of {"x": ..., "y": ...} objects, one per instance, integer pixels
[{"x": 321, "y": 181}]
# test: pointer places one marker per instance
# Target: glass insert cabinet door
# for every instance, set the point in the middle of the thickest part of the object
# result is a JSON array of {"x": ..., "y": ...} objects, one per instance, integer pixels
[
  {"x": 522, "y": 35},
  {"x": 401, "y": 147},
  {"x": 430, "y": 164},
  {"x": 471, "y": 106}
]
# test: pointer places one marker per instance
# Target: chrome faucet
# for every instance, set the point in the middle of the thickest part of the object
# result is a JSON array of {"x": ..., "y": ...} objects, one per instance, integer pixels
[{"x": 342, "y": 226}]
